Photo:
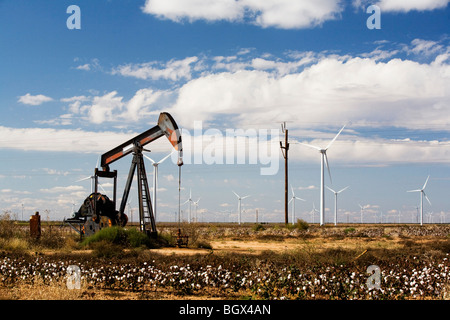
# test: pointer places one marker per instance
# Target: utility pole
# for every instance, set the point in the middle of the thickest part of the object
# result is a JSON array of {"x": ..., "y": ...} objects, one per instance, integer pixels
[{"x": 284, "y": 151}]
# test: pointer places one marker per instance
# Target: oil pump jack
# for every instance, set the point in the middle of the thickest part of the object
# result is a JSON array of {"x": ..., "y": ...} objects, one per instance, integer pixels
[{"x": 98, "y": 210}]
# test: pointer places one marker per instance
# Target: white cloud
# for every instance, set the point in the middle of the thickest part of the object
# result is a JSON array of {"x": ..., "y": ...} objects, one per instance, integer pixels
[
  {"x": 104, "y": 107},
  {"x": 285, "y": 14},
  {"x": 292, "y": 14},
  {"x": 173, "y": 70},
  {"x": 75, "y": 98},
  {"x": 210, "y": 10},
  {"x": 34, "y": 100},
  {"x": 85, "y": 67},
  {"x": 55, "y": 190},
  {"x": 169, "y": 177},
  {"x": 333, "y": 89},
  {"x": 425, "y": 47},
  {"x": 409, "y": 5},
  {"x": 67, "y": 140}
]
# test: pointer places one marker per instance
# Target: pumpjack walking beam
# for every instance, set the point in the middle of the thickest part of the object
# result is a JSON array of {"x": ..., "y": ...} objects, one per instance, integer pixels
[{"x": 166, "y": 127}]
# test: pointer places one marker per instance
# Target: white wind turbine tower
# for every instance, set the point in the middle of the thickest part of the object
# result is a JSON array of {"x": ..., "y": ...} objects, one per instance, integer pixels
[
  {"x": 324, "y": 158},
  {"x": 422, "y": 193},
  {"x": 239, "y": 205},
  {"x": 293, "y": 204},
  {"x": 155, "y": 178},
  {"x": 335, "y": 202},
  {"x": 190, "y": 205}
]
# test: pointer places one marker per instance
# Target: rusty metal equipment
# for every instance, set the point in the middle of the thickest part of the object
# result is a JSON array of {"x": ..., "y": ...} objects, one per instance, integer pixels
[
  {"x": 35, "y": 226},
  {"x": 98, "y": 210},
  {"x": 182, "y": 240}
]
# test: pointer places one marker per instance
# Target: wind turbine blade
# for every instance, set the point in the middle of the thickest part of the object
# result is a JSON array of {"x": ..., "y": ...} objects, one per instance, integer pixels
[
  {"x": 245, "y": 197},
  {"x": 299, "y": 199},
  {"x": 427, "y": 198},
  {"x": 425, "y": 183},
  {"x": 311, "y": 146},
  {"x": 291, "y": 200},
  {"x": 164, "y": 159},
  {"x": 98, "y": 162},
  {"x": 329, "y": 145},
  {"x": 328, "y": 167},
  {"x": 153, "y": 161},
  {"x": 102, "y": 188},
  {"x": 90, "y": 177},
  {"x": 330, "y": 189},
  {"x": 418, "y": 190},
  {"x": 343, "y": 189},
  {"x": 235, "y": 194},
  {"x": 186, "y": 201},
  {"x": 292, "y": 190}
]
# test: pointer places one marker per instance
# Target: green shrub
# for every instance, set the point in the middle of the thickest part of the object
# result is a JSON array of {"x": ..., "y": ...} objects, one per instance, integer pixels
[
  {"x": 167, "y": 238},
  {"x": 348, "y": 230},
  {"x": 125, "y": 238},
  {"x": 115, "y": 235},
  {"x": 137, "y": 239},
  {"x": 106, "y": 249},
  {"x": 258, "y": 227},
  {"x": 302, "y": 224}
]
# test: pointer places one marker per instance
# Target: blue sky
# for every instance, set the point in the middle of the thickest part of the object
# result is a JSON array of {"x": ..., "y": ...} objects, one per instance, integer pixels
[{"x": 67, "y": 96}]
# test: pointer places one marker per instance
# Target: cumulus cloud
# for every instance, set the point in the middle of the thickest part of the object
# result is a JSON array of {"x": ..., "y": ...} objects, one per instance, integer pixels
[
  {"x": 333, "y": 89},
  {"x": 103, "y": 107},
  {"x": 285, "y": 14},
  {"x": 34, "y": 100}
]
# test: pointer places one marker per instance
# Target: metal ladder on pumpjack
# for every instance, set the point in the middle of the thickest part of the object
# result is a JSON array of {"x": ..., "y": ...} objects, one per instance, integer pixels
[{"x": 147, "y": 218}]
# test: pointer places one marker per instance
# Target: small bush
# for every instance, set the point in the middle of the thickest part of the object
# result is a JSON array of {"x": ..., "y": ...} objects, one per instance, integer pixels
[
  {"x": 137, "y": 239},
  {"x": 15, "y": 245},
  {"x": 114, "y": 235},
  {"x": 125, "y": 238},
  {"x": 258, "y": 227},
  {"x": 348, "y": 230},
  {"x": 302, "y": 224},
  {"x": 8, "y": 227},
  {"x": 202, "y": 245},
  {"x": 167, "y": 238},
  {"x": 106, "y": 249}
]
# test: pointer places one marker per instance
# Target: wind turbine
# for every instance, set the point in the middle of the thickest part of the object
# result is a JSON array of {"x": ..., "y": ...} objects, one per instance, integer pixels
[
  {"x": 196, "y": 206},
  {"x": 362, "y": 209},
  {"x": 93, "y": 178},
  {"x": 422, "y": 193},
  {"x": 190, "y": 205},
  {"x": 155, "y": 178},
  {"x": 335, "y": 202},
  {"x": 324, "y": 158},
  {"x": 293, "y": 204},
  {"x": 92, "y": 183},
  {"x": 239, "y": 205},
  {"x": 313, "y": 211}
]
